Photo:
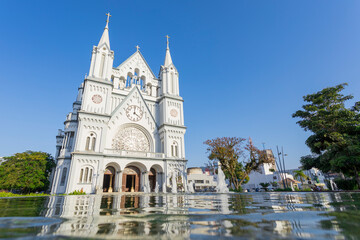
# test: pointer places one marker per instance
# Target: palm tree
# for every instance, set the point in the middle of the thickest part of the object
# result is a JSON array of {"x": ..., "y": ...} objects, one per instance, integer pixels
[
  {"x": 300, "y": 174},
  {"x": 265, "y": 186}
]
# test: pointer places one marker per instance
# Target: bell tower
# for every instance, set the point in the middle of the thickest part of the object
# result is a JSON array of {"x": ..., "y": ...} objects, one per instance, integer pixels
[
  {"x": 172, "y": 129},
  {"x": 102, "y": 56}
]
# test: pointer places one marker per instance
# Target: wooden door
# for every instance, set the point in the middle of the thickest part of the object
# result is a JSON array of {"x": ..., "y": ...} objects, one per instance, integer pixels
[{"x": 123, "y": 183}]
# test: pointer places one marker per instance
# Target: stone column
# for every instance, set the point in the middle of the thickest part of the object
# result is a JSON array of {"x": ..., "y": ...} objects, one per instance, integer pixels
[
  {"x": 163, "y": 182},
  {"x": 120, "y": 177},
  {"x": 145, "y": 180}
]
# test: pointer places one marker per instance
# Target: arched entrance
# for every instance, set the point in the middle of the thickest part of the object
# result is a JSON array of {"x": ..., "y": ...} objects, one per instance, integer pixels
[
  {"x": 109, "y": 179},
  {"x": 152, "y": 179},
  {"x": 131, "y": 179}
]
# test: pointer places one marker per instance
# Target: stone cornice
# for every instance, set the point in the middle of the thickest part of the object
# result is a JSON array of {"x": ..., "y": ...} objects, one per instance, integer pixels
[
  {"x": 178, "y": 98},
  {"x": 96, "y": 154},
  {"x": 98, "y": 80},
  {"x": 91, "y": 113},
  {"x": 171, "y": 125}
]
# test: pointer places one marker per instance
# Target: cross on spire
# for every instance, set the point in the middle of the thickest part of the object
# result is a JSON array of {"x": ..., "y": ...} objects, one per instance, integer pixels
[
  {"x": 108, "y": 17},
  {"x": 137, "y": 47},
  {"x": 167, "y": 40}
]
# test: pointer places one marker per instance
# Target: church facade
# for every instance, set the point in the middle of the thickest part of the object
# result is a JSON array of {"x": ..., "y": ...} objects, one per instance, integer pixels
[{"x": 126, "y": 130}]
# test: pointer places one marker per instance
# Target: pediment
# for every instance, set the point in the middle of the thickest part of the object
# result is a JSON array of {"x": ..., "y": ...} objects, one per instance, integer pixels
[{"x": 136, "y": 61}]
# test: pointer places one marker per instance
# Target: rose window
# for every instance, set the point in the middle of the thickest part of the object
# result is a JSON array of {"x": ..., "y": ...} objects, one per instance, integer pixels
[{"x": 131, "y": 139}]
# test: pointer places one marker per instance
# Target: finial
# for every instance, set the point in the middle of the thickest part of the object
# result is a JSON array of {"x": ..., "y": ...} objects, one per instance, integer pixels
[
  {"x": 107, "y": 20},
  {"x": 137, "y": 47},
  {"x": 108, "y": 17},
  {"x": 167, "y": 41}
]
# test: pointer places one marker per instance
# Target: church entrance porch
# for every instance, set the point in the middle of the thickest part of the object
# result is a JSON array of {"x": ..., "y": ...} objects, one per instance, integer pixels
[
  {"x": 109, "y": 179},
  {"x": 131, "y": 179}
]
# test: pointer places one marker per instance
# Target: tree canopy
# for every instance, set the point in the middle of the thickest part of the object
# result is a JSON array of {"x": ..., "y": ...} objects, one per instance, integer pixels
[
  {"x": 237, "y": 160},
  {"x": 335, "y": 139},
  {"x": 28, "y": 171}
]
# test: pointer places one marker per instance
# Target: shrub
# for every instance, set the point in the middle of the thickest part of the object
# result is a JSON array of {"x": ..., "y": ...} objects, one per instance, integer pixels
[
  {"x": 346, "y": 184},
  {"x": 274, "y": 184},
  {"x": 283, "y": 190},
  {"x": 78, "y": 192},
  {"x": 236, "y": 190}
]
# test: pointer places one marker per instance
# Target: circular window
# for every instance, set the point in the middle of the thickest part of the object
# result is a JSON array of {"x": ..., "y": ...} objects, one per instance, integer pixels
[{"x": 131, "y": 139}]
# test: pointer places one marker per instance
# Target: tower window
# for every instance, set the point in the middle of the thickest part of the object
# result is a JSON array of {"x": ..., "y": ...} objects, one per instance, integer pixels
[
  {"x": 90, "y": 142},
  {"x": 174, "y": 149},
  {"x": 102, "y": 65},
  {"x": 63, "y": 176}
]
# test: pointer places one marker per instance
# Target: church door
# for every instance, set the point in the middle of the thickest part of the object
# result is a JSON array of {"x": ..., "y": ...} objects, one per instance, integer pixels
[
  {"x": 109, "y": 179},
  {"x": 152, "y": 179},
  {"x": 131, "y": 179}
]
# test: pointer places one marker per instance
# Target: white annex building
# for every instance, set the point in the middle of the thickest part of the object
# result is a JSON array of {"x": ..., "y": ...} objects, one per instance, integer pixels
[{"x": 126, "y": 130}]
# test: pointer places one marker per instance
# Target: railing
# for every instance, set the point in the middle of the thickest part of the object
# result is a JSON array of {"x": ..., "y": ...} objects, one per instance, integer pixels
[{"x": 127, "y": 153}]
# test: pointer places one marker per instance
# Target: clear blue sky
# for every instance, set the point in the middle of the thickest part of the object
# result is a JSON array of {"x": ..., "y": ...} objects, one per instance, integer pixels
[{"x": 244, "y": 65}]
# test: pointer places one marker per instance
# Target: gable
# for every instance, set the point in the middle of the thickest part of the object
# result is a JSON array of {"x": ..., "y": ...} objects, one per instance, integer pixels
[
  {"x": 134, "y": 98},
  {"x": 136, "y": 62}
]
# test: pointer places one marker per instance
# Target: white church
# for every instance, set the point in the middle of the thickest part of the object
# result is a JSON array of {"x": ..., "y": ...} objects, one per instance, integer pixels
[{"x": 126, "y": 130}]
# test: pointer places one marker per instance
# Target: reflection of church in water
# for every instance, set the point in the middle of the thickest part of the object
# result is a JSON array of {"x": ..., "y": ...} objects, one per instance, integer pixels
[
  {"x": 115, "y": 216},
  {"x": 126, "y": 130}
]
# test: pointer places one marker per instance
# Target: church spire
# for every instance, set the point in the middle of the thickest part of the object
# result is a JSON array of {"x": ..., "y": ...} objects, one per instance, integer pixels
[
  {"x": 168, "y": 59},
  {"x": 105, "y": 36},
  {"x": 102, "y": 57}
]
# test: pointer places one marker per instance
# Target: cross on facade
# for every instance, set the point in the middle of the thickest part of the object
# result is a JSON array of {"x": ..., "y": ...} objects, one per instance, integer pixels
[
  {"x": 108, "y": 16},
  {"x": 137, "y": 47}
]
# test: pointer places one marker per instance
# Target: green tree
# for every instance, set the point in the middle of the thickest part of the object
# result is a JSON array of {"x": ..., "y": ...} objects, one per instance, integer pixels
[
  {"x": 299, "y": 174},
  {"x": 230, "y": 151},
  {"x": 28, "y": 171},
  {"x": 227, "y": 150},
  {"x": 335, "y": 142}
]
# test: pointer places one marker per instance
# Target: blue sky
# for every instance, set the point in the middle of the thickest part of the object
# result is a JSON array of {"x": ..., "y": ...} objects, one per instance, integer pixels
[{"x": 244, "y": 65}]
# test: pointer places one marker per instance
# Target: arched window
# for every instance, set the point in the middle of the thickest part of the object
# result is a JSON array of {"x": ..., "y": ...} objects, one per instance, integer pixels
[
  {"x": 173, "y": 84},
  {"x": 90, "y": 142},
  {"x": 142, "y": 83},
  {"x": 170, "y": 87},
  {"x": 90, "y": 175},
  {"x": 174, "y": 149},
  {"x": 63, "y": 177},
  {"x": 93, "y": 141},
  {"x": 86, "y": 174},
  {"x": 87, "y": 143},
  {"x": 128, "y": 79},
  {"x": 102, "y": 65},
  {"x": 81, "y": 175},
  {"x": 136, "y": 76}
]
